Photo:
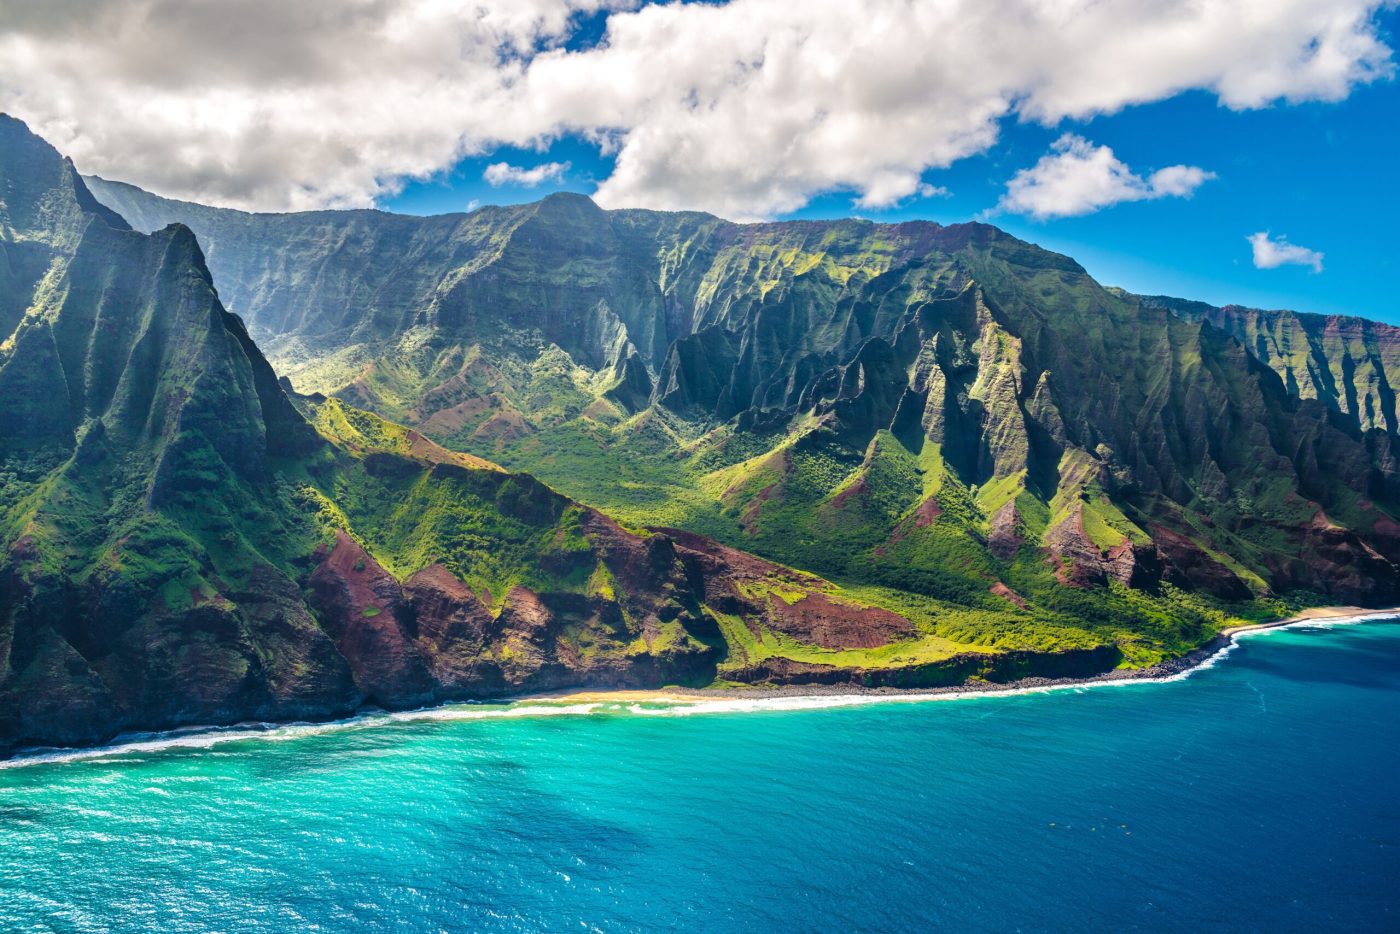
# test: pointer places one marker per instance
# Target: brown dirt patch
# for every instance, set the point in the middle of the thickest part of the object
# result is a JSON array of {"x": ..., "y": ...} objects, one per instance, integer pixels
[
  {"x": 1006, "y": 593},
  {"x": 819, "y": 620},
  {"x": 928, "y": 512}
]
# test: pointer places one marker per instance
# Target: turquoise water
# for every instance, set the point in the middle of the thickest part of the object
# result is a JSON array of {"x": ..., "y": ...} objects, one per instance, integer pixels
[{"x": 1262, "y": 793}]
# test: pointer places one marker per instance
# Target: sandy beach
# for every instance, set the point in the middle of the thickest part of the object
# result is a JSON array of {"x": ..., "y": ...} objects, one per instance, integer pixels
[{"x": 1314, "y": 614}]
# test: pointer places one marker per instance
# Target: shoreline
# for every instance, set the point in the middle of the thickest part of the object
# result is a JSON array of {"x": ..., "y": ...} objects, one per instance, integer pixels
[
  {"x": 687, "y": 700},
  {"x": 1163, "y": 671}
]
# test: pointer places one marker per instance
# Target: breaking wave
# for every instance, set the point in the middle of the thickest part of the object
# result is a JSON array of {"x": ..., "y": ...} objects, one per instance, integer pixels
[{"x": 207, "y": 737}]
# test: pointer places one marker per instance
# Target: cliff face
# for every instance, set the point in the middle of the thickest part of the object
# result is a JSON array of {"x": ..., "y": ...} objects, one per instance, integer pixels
[
  {"x": 135, "y": 443},
  {"x": 946, "y": 411},
  {"x": 1004, "y": 468},
  {"x": 181, "y": 541},
  {"x": 1351, "y": 365}
]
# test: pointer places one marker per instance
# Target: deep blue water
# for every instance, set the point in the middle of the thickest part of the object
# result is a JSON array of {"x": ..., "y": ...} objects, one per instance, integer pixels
[{"x": 1260, "y": 794}]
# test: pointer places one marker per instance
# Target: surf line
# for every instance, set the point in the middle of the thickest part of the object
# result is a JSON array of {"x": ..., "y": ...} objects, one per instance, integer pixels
[{"x": 664, "y": 703}]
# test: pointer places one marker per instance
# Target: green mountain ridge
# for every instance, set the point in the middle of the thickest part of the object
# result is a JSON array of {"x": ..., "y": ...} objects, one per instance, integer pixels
[
  {"x": 835, "y": 453},
  {"x": 186, "y": 542},
  {"x": 944, "y": 411},
  {"x": 1349, "y": 363}
]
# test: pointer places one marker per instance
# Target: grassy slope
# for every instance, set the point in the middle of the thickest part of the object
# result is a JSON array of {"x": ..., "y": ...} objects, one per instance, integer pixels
[
  {"x": 784, "y": 500},
  {"x": 938, "y": 575},
  {"x": 404, "y": 520}
]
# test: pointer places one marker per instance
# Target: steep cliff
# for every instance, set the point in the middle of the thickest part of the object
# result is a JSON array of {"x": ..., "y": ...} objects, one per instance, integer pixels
[
  {"x": 185, "y": 542},
  {"x": 940, "y": 411},
  {"x": 1349, "y": 364}
]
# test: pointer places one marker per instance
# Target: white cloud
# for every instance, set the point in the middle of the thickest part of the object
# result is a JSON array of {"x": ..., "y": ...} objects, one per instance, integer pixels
[
  {"x": 270, "y": 104},
  {"x": 749, "y": 108},
  {"x": 1081, "y": 178},
  {"x": 503, "y": 173},
  {"x": 1271, "y": 253},
  {"x": 889, "y": 192},
  {"x": 1177, "y": 181}
]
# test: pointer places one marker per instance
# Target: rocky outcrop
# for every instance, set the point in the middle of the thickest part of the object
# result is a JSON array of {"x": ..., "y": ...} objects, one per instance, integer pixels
[
  {"x": 1189, "y": 566},
  {"x": 253, "y": 655},
  {"x": 363, "y": 609},
  {"x": 432, "y": 638}
]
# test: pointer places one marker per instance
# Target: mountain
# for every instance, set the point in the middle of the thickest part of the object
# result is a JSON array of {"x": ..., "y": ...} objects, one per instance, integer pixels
[
  {"x": 917, "y": 410},
  {"x": 1349, "y": 364},
  {"x": 970, "y": 460},
  {"x": 183, "y": 540}
]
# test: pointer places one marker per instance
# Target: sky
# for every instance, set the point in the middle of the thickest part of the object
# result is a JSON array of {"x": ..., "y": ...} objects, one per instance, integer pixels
[{"x": 1224, "y": 150}]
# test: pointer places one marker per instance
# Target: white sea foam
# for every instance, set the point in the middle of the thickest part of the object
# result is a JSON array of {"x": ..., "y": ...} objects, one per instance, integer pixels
[
  {"x": 202, "y": 738},
  {"x": 185, "y": 738},
  {"x": 1322, "y": 622}
]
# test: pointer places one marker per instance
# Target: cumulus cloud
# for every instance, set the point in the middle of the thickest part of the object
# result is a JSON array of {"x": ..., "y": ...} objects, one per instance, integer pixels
[
  {"x": 1081, "y": 178},
  {"x": 876, "y": 195},
  {"x": 1273, "y": 252},
  {"x": 269, "y": 104},
  {"x": 747, "y": 108},
  {"x": 503, "y": 173}
]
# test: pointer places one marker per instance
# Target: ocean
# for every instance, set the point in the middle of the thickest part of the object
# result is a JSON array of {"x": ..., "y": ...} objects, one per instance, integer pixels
[{"x": 1260, "y": 793}]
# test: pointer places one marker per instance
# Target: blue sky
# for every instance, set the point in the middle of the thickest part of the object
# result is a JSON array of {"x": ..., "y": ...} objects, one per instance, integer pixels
[
  {"x": 1321, "y": 174},
  {"x": 1146, "y": 138}
]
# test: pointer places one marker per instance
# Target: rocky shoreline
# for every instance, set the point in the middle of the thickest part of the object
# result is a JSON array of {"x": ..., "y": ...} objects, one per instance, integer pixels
[{"x": 1161, "y": 672}]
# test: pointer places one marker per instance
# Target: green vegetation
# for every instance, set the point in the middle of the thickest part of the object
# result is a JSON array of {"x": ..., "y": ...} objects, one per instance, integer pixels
[
  {"x": 750, "y": 642},
  {"x": 990, "y": 441},
  {"x": 943, "y": 422}
]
